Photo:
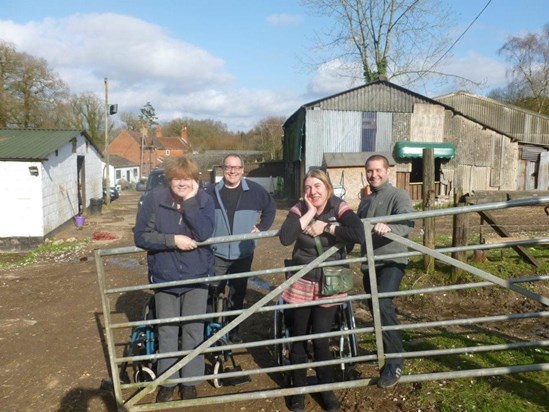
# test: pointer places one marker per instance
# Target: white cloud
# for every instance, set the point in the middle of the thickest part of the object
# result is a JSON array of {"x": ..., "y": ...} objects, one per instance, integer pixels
[
  {"x": 284, "y": 19},
  {"x": 488, "y": 72},
  {"x": 143, "y": 64},
  {"x": 331, "y": 78}
]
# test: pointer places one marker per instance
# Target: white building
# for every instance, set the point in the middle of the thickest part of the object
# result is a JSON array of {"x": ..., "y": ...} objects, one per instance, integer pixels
[{"x": 48, "y": 177}]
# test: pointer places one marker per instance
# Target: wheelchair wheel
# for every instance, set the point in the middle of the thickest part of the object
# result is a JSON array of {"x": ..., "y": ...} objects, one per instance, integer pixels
[
  {"x": 143, "y": 374},
  {"x": 349, "y": 315},
  {"x": 217, "y": 369},
  {"x": 347, "y": 342},
  {"x": 281, "y": 350}
]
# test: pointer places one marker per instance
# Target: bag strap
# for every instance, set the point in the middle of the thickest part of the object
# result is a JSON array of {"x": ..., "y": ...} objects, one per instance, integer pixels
[{"x": 318, "y": 245}]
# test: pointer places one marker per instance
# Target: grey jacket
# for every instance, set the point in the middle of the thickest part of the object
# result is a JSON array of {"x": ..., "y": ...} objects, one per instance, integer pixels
[{"x": 384, "y": 201}]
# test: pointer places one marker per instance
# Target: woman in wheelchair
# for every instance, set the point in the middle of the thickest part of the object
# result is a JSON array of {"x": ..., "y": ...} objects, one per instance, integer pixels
[{"x": 323, "y": 215}]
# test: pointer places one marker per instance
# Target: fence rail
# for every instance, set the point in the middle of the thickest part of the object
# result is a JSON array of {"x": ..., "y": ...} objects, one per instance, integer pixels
[{"x": 133, "y": 396}]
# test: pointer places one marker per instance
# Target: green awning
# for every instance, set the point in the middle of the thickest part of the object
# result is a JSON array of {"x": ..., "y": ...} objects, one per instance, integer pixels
[{"x": 404, "y": 149}]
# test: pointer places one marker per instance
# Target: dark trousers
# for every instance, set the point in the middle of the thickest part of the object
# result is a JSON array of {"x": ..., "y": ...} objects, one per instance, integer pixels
[
  {"x": 237, "y": 287},
  {"x": 388, "y": 280},
  {"x": 312, "y": 319}
]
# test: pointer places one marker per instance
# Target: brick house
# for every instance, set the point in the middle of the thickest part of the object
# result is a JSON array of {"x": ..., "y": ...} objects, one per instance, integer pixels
[{"x": 150, "y": 152}]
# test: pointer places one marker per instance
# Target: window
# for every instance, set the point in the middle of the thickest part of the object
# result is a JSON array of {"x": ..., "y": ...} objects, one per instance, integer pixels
[
  {"x": 118, "y": 174},
  {"x": 167, "y": 152},
  {"x": 369, "y": 128},
  {"x": 135, "y": 172},
  {"x": 416, "y": 176}
]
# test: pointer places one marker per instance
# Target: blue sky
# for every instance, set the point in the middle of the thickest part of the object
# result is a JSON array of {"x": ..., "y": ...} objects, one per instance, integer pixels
[{"x": 234, "y": 61}]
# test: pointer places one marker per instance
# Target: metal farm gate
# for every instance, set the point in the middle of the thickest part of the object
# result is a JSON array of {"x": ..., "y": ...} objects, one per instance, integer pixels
[{"x": 138, "y": 396}]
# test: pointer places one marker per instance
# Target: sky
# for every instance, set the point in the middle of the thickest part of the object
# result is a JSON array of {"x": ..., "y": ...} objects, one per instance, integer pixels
[{"x": 232, "y": 61}]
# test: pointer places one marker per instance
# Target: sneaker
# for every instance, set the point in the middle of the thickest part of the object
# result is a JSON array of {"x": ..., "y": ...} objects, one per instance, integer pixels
[
  {"x": 187, "y": 392},
  {"x": 234, "y": 337},
  {"x": 165, "y": 393},
  {"x": 390, "y": 374}
]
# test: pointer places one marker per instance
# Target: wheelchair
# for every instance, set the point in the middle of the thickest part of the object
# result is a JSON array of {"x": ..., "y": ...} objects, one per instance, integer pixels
[
  {"x": 223, "y": 360},
  {"x": 143, "y": 341},
  {"x": 343, "y": 347}
]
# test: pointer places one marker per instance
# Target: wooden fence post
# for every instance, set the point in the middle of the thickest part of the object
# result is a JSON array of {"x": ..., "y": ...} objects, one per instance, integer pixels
[
  {"x": 459, "y": 238},
  {"x": 428, "y": 203}
]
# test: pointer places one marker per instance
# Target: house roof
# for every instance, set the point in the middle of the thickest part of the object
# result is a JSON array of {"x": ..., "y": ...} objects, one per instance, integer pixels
[
  {"x": 379, "y": 95},
  {"x": 521, "y": 124},
  {"x": 34, "y": 144},
  {"x": 119, "y": 161},
  {"x": 382, "y": 95},
  {"x": 352, "y": 159},
  {"x": 171, "y": 143}
]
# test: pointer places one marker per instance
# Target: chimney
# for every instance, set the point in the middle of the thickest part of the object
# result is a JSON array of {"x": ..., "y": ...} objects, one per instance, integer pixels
[
  {"x": 184, "y": 133},
  {"x": 158, "y": 131}
]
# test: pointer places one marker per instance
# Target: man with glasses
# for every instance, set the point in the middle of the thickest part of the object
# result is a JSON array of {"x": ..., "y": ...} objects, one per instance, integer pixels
[{"x": 241, "y": 206}]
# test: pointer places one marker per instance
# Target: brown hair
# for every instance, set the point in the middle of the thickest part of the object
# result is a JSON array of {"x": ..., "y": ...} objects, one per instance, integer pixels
[
  {"x": 237, "y": 156},
  {"x": 323, "y": 177},
  {"x": 378, "y": 157},
  {"x": 181, "y": 168}
]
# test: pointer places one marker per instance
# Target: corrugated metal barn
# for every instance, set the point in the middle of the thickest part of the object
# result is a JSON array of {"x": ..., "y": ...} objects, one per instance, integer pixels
[
  {"x": 382, "y": 117},
  {"x": 529, "y": 129}
]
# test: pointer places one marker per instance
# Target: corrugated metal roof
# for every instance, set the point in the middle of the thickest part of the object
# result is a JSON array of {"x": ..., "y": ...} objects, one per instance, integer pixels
[
  {"x": 378, "y": 96},
  {"x": 523, "y": 125},
  {"x": 36, "y": 144}
]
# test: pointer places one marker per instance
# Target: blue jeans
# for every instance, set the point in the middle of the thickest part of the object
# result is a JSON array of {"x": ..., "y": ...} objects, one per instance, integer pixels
[{"x": 388, "y": 280}]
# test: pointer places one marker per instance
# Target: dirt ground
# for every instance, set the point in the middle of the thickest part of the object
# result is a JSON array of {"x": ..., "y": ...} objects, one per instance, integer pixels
[{"x": 54, "y": 356}]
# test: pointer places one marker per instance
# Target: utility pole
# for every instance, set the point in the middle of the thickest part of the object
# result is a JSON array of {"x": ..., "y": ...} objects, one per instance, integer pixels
[{"x": 108, "y": 179}]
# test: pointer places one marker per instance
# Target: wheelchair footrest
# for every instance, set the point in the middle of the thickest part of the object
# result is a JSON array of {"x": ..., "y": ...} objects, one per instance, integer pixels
[{"x": 235, "y": 380}]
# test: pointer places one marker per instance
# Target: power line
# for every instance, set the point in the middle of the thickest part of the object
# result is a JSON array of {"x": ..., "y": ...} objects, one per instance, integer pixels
[{"x": 460, "y": 37}]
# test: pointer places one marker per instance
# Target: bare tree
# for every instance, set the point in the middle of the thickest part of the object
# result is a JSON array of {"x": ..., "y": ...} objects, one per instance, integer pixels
[
  {"x": 529, "y": 71},
  {"x": 269, "y": 131},
  {"x": 84, "y": 111},
  {"x": 8, "y": 58},
  {"x": 36, "y": 91},
  {"x": 385, "y": 39}
]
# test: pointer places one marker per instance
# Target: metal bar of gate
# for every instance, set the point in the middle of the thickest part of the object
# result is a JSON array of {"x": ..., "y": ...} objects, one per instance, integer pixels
[{"x": 258, "y": 307}]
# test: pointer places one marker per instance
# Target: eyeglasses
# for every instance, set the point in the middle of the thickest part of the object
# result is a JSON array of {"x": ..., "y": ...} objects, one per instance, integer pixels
[{"x": 232, "y": 168}]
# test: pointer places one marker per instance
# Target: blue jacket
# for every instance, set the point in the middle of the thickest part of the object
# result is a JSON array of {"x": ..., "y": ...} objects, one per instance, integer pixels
[
  {"x": 256, "y": 207},
  {"x": 157, "y": 223}
]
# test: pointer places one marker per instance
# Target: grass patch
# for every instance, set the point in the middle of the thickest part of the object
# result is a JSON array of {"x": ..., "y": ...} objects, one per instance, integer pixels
[
  {"x": 513, "y": 392},
  {"x": 522, "y": 392},
  {"x": 47, "y": 251}
]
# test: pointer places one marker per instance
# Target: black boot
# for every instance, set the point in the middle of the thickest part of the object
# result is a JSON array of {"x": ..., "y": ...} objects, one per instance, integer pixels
[
  {"x": 326, "y": 375},
  {"x": 299, "y": 378}
]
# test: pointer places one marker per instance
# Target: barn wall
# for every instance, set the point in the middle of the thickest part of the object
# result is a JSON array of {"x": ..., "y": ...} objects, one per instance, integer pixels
[
  {"x": 59, "y": 182},
  {"x": 485, "y": 159},
  {"x": 331, "y": 131},
  {"x": 427, "y": 123},
  {"x": 21, "y": 206},
  {"x": 354, "y": 180}
]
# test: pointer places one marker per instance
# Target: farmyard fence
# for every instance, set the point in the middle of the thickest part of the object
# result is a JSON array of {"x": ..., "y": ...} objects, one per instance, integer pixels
[{"x": 139, "y": 396}]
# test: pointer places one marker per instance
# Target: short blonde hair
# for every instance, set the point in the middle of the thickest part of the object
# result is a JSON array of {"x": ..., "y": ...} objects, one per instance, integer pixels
[
  {"x": 323, "y": 177},
  {"x": 181, "y": 168}
]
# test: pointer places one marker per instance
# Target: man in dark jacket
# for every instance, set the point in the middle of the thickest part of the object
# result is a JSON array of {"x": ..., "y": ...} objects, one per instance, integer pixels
[
  {"x": 386, "y": 200},
  {"x": 241, "y": 206},
  {"x": 170, "y": 222}
]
